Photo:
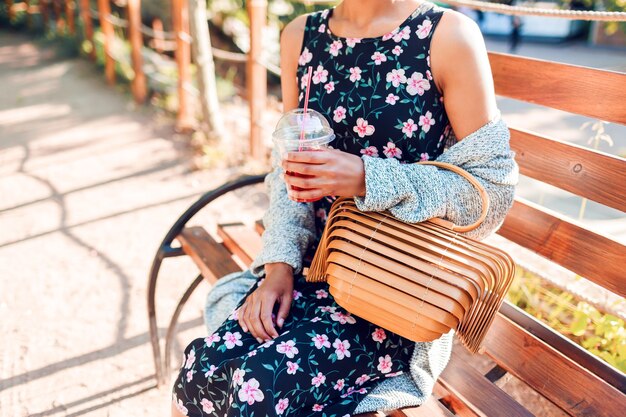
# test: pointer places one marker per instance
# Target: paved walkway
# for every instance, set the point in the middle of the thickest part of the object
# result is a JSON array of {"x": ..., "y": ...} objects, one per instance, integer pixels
[
  {"x": 89, "y": 184},
  {"x": 88, "y": 187}
]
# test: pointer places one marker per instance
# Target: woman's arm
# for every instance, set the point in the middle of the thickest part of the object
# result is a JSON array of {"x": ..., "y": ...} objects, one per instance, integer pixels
[{"x": 289, "y": 226}]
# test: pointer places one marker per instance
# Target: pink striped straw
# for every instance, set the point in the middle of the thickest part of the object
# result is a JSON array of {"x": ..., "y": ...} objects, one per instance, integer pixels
[{"x": 306, "y": 105}]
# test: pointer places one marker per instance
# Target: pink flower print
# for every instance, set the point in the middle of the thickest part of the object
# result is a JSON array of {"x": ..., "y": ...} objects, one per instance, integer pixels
[
  {"x": 343, "y": 318},
  {"x": 305, "y": 57},
  {"x": 384, "y": 364},
  {"x": 391, "y": 99},
  {"x": 322, "y": 28},
  {"x": 292, "y": 367},
  {"x": 207, "y": 406},
  {"x": 405, "y": 33},
  {"x": 362, "y": 379},
  {"x": 329, "y": 87},
  {"x": 429, "y": 75},
  {"x": 250, "y": 392},
  {"x": 325, "y": 13},
  {"x": 350, "y": 391},
  {"x": 318, "y": 407},
  {"x": 339, "y": 384},
  {"x": 378, "y": 58},
  {"x": 362, "y": 128},
  {"x": 339, "y": 114},
  {"x": 318, "y": 380},
  {"x": 238, "y": 376},
  {"x": 234, "y": 315},
  {"x": 342, "y": 348},
  {"x": 252, "y": 353},
  {"x": 321, "y": 213},
  {"x": 391, "y": 374},
  {"x": 391, "y": 151},
  {"x": 321, "y": 341},
  {"x": 379, "y": 335},
  {"x": 397, "y": 50},
  {"x": 296, "y": 295},
  {"x": 335, "y": 47},
  {"x": 423, "y": 30},
  {"x": 190, "y": 359},
  {"x": 417, "y": 84},
  {"x": 304, "y": 80},
  {"x": 210, "y": 371},
  {"x": 267, "y": 344},
  {"x": 179, "y": 405},
  {"x": 288, "y": 348},
  {"x": 424, "y": 156},
  {"x": 319, "y": 294},
  {"x": 190, "y": 375},
  {"x": 388, "y": 36},
  {"x": 282, "y": 406},
  {"x": 428, "y": 60},
  {"x": 327, "y": 309},
  {"x": 315, "y": 319},
  {"x": 320, "y": 75},
  {"x": 370, "y": 151},
  {"x": 232, "y": 339},
  {"x": 362, "y": 390},
  {"x": 408, "y": 128},
  {"x": 396, "y": 77},
  {"x": 426, "y": 121},
  {"x": 355, "y": 74},
  {"x": 351, "y": 42}
]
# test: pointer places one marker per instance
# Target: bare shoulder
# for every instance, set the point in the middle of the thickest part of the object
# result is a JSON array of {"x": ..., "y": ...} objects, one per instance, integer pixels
[
  {"x": 457, "y": 43},
  {"x": 293, "y": 33}
]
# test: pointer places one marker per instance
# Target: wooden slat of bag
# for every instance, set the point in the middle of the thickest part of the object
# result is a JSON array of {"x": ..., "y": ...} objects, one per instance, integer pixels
[
  {"x": 590, "y": 92},
  {"x": 241, "y": 240},
  {"x": 211, "y": 257},
  {"x": 571, "y": 387},
  {"x": 584, "y": 172},
  {"x": 482, "y": 396},
  {"x": 593, "y": 256}
]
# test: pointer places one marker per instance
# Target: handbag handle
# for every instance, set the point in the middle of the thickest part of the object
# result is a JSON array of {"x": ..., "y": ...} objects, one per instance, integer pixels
[{"x": 483, "y": 196}]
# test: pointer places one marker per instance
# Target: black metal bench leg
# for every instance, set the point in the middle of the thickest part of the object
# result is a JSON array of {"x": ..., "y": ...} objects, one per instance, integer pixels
[{"x": 171, "y": 330}]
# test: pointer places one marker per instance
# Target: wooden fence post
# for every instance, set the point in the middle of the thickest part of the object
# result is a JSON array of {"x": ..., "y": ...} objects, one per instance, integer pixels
[
  {"x": 158, "y": 39},
  {"x": 10, "y": 11},
  {"x": 58, "y": 14},
  {"x": 104, "y": 10},
  {"x": 256, "y": 76},
  {"x": 69, "y": 13},
  {"x": 136, "y": 44},
  {"x": 180, "y": 20},
  {"x": 43, "y": 9},
  {"x": 85, "y": 13}
]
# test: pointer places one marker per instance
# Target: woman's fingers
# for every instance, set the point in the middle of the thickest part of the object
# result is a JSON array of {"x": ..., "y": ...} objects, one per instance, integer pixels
[
  {"x": 266, "y": 316},
  {"x": 306, "y": 195},
  {"x": 254, "y": 321},
  {"x": 283, "y": 310},
  {"x": 241, "y": 318}
]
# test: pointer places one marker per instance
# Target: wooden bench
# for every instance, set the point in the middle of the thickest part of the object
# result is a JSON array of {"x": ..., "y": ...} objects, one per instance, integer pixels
[{"x": 545, "y": 364}]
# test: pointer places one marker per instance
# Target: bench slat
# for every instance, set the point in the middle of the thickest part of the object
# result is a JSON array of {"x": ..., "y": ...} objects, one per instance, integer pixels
[
  {"x": 431, "y": 408},
  {"x": 213, "y": 260},
  {"x": 477, "y": 392},
  {"x": 572, "y": 388},
  {"x": 240, "y": 240},
  {"x": 590, "y": 92},
  {"x": 584, "y": 172},
  {"x": 571, "y": 246}
]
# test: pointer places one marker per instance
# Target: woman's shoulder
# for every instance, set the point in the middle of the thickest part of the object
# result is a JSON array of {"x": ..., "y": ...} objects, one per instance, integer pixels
[{"x": 456, "y": 31}]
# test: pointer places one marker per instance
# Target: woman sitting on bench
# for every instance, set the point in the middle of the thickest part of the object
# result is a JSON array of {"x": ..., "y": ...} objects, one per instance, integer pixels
[{"x": 381, "y": 70}]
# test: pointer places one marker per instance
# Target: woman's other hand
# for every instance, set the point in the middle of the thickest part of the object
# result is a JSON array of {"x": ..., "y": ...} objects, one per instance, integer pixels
[
  {"x": 255, "y": 315},
  {"x": 323, "y": 173}
]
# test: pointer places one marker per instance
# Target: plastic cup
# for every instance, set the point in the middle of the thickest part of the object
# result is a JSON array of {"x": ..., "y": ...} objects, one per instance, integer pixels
[{"x": 289, "y": 137}]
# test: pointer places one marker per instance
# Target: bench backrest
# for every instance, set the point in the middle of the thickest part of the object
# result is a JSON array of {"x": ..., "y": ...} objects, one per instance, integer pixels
[{"x": 573, "y": 379}]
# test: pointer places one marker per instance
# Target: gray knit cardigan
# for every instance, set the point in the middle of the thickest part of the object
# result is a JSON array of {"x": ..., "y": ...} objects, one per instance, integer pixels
[{"x": 412, "y": 193}]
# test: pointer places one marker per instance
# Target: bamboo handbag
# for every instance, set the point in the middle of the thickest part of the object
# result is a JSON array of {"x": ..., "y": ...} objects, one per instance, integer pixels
[{"x": 417, "y": 280}]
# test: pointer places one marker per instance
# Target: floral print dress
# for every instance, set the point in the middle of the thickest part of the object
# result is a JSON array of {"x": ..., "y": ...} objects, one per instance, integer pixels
[{"x": 380, "y": 98}]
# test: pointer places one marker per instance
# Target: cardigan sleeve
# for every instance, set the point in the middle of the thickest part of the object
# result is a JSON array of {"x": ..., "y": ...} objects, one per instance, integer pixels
[
  {"x": 289, "y": 225},
  {"x": 414, "y": 193}
]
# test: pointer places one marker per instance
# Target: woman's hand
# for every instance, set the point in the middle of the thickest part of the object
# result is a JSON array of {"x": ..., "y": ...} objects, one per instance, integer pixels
[
  {"x": 255, "y": 315},
  {"x": 323, "y": 173}
]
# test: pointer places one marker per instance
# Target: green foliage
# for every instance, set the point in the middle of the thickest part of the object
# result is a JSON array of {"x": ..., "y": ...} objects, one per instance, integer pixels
[{"x": 600, "y": 333}]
